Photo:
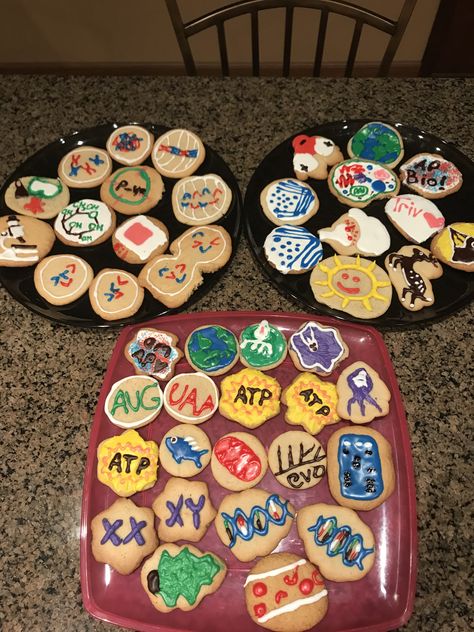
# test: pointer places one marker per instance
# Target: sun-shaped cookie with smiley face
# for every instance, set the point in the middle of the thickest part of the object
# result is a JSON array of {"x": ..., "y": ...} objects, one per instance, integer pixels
[{"x": 353, "y": 285}]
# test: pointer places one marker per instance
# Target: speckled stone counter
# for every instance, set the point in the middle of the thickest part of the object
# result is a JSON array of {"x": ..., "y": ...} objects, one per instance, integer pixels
[{"x": 51, "y": 375}]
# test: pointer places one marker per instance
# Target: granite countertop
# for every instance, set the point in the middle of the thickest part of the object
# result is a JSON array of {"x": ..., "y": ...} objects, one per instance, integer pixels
[{"x": 52, "y": 374}]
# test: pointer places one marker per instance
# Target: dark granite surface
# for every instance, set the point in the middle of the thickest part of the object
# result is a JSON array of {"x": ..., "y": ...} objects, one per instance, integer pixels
[{"x": 52, "y": 374}]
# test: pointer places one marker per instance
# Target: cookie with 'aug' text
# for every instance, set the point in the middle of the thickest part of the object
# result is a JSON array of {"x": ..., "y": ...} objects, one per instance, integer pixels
[
  {"x": 356, "y": 233},
  {"x": 414, "y": 217},
  {"x": 212, "y": 349},
  {"x": 311, "y": 403},
  {"x": 191, "y": 397},
  {"x": 239, "y": 461},
  {"x": 84, "y": 167},
  {"x": 132, "y": 190},
  {"x": 297, "y": 460},
  {"x": 312, "y": 156},
  {"x": 115, "y": 294},
  {"x": 317, "y": 348},
  {"x": 42, "y": 198},
  {"x": 292, "y": 249},
  {"x": 185, "y": 451},
  {"x": 139, "y": 239},
  {"x": 288, "y": 201},
  {"x": 178, "y": 153},
  {"x": 454, "y": 246},
  {"x": 431, "y": 175},
  {"x": 362, "y": 394},
  {"x": 130, "y": 144},
  {"x": 201, "y": 200},
  {"x": 61, "y": 279},
  {"x": 379, "y": 142},
  {"x": 358, "y": 182},
  {"x": 134, "y": 401},
  {"x": 262, "y": 346},
  {"x": 85, "y": 223},
  {"x": 154, "y": 352},
  {"x": 24, "y": 240}
]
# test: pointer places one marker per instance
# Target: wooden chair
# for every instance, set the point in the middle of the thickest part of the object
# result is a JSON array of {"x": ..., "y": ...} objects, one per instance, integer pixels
[{"x": 361, "y": 17}]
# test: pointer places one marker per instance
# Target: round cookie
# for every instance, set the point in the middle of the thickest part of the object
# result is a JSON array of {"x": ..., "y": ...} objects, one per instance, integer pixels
[
  {"x": 37, "y": 197},
  {"x": 431, "y": 175},
  {"x": 185, "y": 451},
  {"x": 292, "y": 249},
  {"x": 239, "y": 461},
  {"x": 358, "y": 182},
  {"x": 362, "y": 394},
  {"x": 289, "y": 202},
  {"x": 24, "y": 240},
  {"x": 191, "y": 397},
  {"x": 140, "y": 238},
  {"x": 417, "y": 219},
  {"x": 200, "y": 200},
  {"x": 211, "y": 349},
  {"x": 297, "y": 460},
  {"x": 454, "y": 246},
  {"x": 378, "y": 142},
  {"x": 337, "y": 541},
  {"x": 62, "y": 279},
  {"x": 115, "y": 294},
  {"x": 262, "y": 346},
  {"x": 134, "y": 401},
  {"x": 355, "y": 232},
  {"x": 153, "y": 352},
  {"x": 178, "y": 153},
  {"x": 130, "y": 144},
  {"x": 132, "y": 190},
  {"x": 285, "y": 593},
  {"x": 311, "y": 403},
  {"x": 85, "y": 167},
  {"x": 85, "y": 223},
  {"x": 317, "y": 348}
]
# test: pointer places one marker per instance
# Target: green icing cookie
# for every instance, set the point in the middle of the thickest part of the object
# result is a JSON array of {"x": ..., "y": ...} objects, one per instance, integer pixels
[
  {"x": 378, "y": 142},
  {"x": 262, "y": 345}
]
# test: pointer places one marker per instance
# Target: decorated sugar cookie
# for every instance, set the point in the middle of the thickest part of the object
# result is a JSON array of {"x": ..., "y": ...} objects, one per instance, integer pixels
[
  {"x": 292, "y": 249},
  {"x": 312, "y": 155},
  {"x": 134, "y": 401},
  {"x": 85, "y": 223},
  {"x": 289, "y": 202},
  {"x": 297, "y": 460},
  {"x": 201, "y": 200},
  {"x": 212, "y": 349},
  {"x": 311, "y": 403},
  {"x": 410, "y": 270},
  {"x": 185, "y": 451},
  {"x": 84, "y": 167},
  {"x": 139, "y": 239},
  {"x": 132, "y": 190},
  {"x": 317, "y": 348},
  {"x": 454, "y": 246},
  {"x": 431, "y": 175},
  {"x": 115, "y": 294},
  {"x": 62, "y": 279},
  {"x": 358, "y": 182},
  {"x": 249, "y": 397},
  {"x": 178, "y": 153},
  {"x": 123, "y": 535},
  {"x": 239, "y": 461},
  {"x": 356, "y": 233},
  {"x": 154, "y": 352},
  {"x": 127, "y": 463},
  {"x": 353, "y": 285},
  {"x": 262, "y": 346},
  {"x": 362, "y": 394},
  {"x": 191, "y": 397},
  {"x": 24, "y": 240},
  {"x": 130, "y": 144},
  {"x": 379, "y": 142},
  {"x": 37, "y": 197},
  {"x": 416, "y": 218}
]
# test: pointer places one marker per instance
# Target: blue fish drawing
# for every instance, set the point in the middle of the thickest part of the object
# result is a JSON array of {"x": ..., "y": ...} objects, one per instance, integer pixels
[{"x": 185, "y": 449}]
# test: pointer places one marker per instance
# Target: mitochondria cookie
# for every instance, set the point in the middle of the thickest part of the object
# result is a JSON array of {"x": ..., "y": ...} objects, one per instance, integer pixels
[
  {"x": 288, "y": 201},
  {"x": 362, "y": 394},
  {"x": 24, "y": 240},
  {"x": 431, "y": 175},
  {"x": 38, "y": 197},
  {"x": 358, "y": 182},
  {"x": 454, "y": 246},
  {"x": 297, "y": 460},
  {"x": 178, "y": 153},
  {"x": 317, "y": 348},
  {"x": 239, "y": 461},
  {"x": 262, "y": 346},
  {"x": 356, "y": 233},
  {"x": 311, "y": 403},
  {"x": 292, "y": 249},
  {"x": 115, "y": 294},
  {"x": 85, "y": 167},
  {"x": 212, "y": 349},
  {"x": 379, "y": 142},
  {"x": 191, "y": 397},
  {"x": 62, "y": 279},
  {"x": 134, "y": 401},
  {"x": 85, "y": 223},
  {"x": 185, "y": 451},
  {"x": 416, "y": 218},
  {"x": 132, "y": 190},
  {"x": 139, "y": 239},
  {"x": 153, "y": 352},
  {"x": 201, "y": 200},
  {"x": 130, "y": 144}
]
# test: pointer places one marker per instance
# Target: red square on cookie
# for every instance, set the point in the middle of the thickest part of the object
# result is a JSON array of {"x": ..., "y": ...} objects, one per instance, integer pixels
[{"x": 137, "y": 233}]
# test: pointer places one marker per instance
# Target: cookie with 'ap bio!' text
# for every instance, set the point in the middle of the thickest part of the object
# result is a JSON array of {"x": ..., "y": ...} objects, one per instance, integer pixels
[{"x": 431, "y": 175}]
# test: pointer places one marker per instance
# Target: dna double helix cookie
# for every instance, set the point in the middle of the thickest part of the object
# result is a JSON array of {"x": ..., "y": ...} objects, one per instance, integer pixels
[
  {"x": 297, "y": 460},
  {"x": 154, "y": 352},
  {"x": 178, "y": 153},
  {"x": 139, "y": 239},
  {"x": 134, "y": 401},
  {"x": 132, "y": 190},
  {"x": 317, "y": 348},
  {"x": 454, "y": 246},
  {"x": 292, "y": 249},
  {"x": 85, "y": 223},
  {"x": 312, "y": 156},
  {"x": 289, "y": 202},
  {"x": 130, "y": 144},
  {"x": 201, "y": 200},
  {"x": 431, "y": 175},
  {"x": 239, "y": 461},
  {"x": 212, "y": 349},
  {"x": 185, "y": 451},
  {"x": 24, "y": 240},
  {"x": 416, "y": 218},
  {"x": 191, "y": 397},
  {"x": 115, "y": 294},
  {"x": 358, "y": 182},
  {"x": 84, "y": 167},
  {"x": 262, "y": 346},
  {"x": 356, "y": 233},
  {"x": 379, "y": 142},
  {"x": 311, "y": 403},
  {"x": 362, "y": 394},
  {"x": 37, "y": 197},
  {"x": 62, "y": 279}
]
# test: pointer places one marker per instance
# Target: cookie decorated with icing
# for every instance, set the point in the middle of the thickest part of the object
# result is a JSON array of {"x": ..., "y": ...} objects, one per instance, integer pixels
[
  {"x": 289, "y": 202},
  {"x": 454, "y": 246},
  {"x": 185, "y": 451},
  {"x": 416, "y": 218},
  {"x": 378, "y": 142},
  {"x": 140, "y": 238},
  {"x": 317, "y": 348},
  {"x": 351, "y": 284},
  {"x": 292, "y": 249},
  {"x": 123, "y": 535},
  {"x": 127, "y": 463},
  {"x": 154, "y": 352},
  {"x": 239, "y": 461},
  {"x": 130, "y": 144},
  {"x": 249, "y": 397},
  {"x": 355, "y": 232},
  {"x": 172, "y": 278},
  {"x": 85, "y": 223},
  {"x": 85, "y": 167},
  {"x": 311, "y": 403},
  {"x": 184, "y": 509},
  {"x": 115, "y": 294},
  {"x": 179, "y": 577},
  {"x": 134, "y": 401},
  {"x": 431, "y": 175},
  {"x": 201, "y": 200},
  {"x": 362, "y": 394},
  {"x": 24, "y": 241},
  {"x": 212, "y": 349},
  {"x": 132, "y": 190},
  {"x": 285, "y": 593},
  {"x": 297, "y": 460},
  {"x": 178, "y": 153},
  {"x": 62, "y": 279},
  {"x": 262, "y": 346},
  {"x": 337, "y": 541},
  {"x": 410, "y": 270},
  {"x": 361, "y": 474},
  {"x": 191, "y": 398},
  {"x": 358, "y": 182},
  {"x": 38, "y": 197},
  {"x": 312, "y": 155}
]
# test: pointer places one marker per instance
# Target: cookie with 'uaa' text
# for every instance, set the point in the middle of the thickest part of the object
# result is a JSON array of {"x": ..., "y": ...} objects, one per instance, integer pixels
[
  {"x": 185, "y": 451},
  {"x": 191, "y": 397},
  {"x": 132, "y": 190},
  {"x": 24, "y": 240},
  {"x": 61, "y": 279},
  {"x": 297, "y": 460},
  {"x": 42, "y": 198},
  {"x": 239, "y": 461},
  {"x": 115, "y": 294},
  {"x": 362, "y": 394}
]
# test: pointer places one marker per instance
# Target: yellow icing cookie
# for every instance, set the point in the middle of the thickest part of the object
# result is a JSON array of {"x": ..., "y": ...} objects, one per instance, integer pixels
[
  {"x": 311, "y": 403},
  {"x": 249, "y": 397},
  {"x": 127, "y": 463}
]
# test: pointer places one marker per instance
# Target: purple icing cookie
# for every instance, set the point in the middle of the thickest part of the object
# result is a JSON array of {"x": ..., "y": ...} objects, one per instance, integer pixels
[{"x": 317, "y": 348}]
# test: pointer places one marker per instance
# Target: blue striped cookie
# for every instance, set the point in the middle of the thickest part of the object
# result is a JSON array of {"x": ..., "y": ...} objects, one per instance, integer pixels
[{"x": 288, "y": 201}]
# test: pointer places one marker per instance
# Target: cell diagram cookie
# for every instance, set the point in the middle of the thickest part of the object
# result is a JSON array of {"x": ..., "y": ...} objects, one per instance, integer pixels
[
  {"x": 115, "y": 294},
  {"x": 201, "y": 200},
  {"x": 85, "y": 167},
  {"x": 154, "y": 352},
  {"x": 185, "y": 451},
  {"x": 289, "y": 202},
  {"x": 362, "y": 394},
  {"x": 84, "y": 223},
  {"x": 212, "y": 349},
  {"x": 38, "y": 197},
  {"x": 130, "y": 144},
  {"x": 312, "y": 156},
  {"x": 24, "y": 240},
  {"x": 262, "y": 346},
  {"x": 356, "y": 233},
  {"x": 431, "y": 175},
  {"x": 454, "y": 246},
  {"x": 132, "y": 190},
  {"x": 239, "y": 461},
  {"x": 416, "y": 218},
  {"x": 379, "y": 142},
  {"x": 317, "y": 348},
  {"x": 62, "y": 279},
  {"x": 292, "y": 249},
  {"x": 358, "y": 182},
  {"x": 311, "y": 403},
  {"x": 134, "y": 401},
  {"x": 140, "y": 238},
  {"x": 297, "y": 460},
  {"x": 178, "y": 153},
  {"x": 191, "y": 397}
]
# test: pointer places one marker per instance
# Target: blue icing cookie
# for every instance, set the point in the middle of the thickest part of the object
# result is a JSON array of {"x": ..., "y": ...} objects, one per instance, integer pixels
[
  {"x": 292, "y": 249},
  {"x": 289, "y": 202},
  {"x": 360, "y": 469}
]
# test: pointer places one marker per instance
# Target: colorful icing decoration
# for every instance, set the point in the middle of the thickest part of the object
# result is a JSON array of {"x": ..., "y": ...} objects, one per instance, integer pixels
[
  {"x": 130, "y": 144},
  {"x": 200, "y": 200},
  {"x": 238, "y": 458},
  {"x": 361, "y": 385},
  {"x": 431, "y": 175},
  {"x": 61, "y": 279},
  {"x": 377, "y": 141},
  {"x": 133, "y": 534},
  {"x": 139, "y": 238},
  {"x": 23, "y": 240},
  {"x": 84, "y": 222},
  {"x": 311, "y": 403},
  {"x": 134, "y": 401},
  {"x": 85, "y": 167},
  {"x": 289, "y": 202},
  {"x": 178, "y": 153},
  {"x": 115, "y": 294},
  {"x": 360, "y": 468},
  {"x": 356, "y": 233},
  {"x": 175, "y": 511},
  {"x": 292, "y": 249},
  {"x": 153, "y": 352},
  {"x": 358, "y": 182},
  {"x": 455, "y": 246},
  {"x": 212, "y": 349},
  {"x": 185, "y": 449},
  {"x": 363, "y": 395},
  {"x": 318, "y": 348},
  {"x": 312, "y": 155},
  {"x": 262, "y": 346},
  {"x": 133, "y": 190},
  {"x": 35, "y": 196},
  {"x": 416, "y": 218},
  {"x": 191, "y": 397}
]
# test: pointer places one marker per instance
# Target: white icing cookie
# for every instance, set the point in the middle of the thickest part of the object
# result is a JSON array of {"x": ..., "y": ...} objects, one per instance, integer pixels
[
  {"x": 357, "y": 233},
  {"x": 24, "y": 240},
  {"x": 85, "y": 223},
  {"x": 288, "y": 201},
  {"x": 416, "y": 218},
  {"x": 201, "y": 200},
  {"x": 139, "y": 239},
  {"x": 85, "y": 167},
  {"x": 312, "y": 155},
  {"x": 130, "y": 144},
  {"x": 431, "y": 175},
  {"x": 178, "y": 153},
  {"x": 292, "y": 249}
]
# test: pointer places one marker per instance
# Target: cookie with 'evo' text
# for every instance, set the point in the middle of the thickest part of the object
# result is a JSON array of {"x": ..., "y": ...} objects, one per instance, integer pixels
[
  {"x": 24, "y": 240},
  {"x": 178, "y": 153},
  {"x": 134, "y": 401},
  {"x": 130, "y": 144},
  {"x": 115, "y": 294},
  {"x": 212, "y": 349},
  {"x": 61, "y": 279},
  {"x": 185, "y": 451},
  {"x": 191, "y": 397},
  {"x": 139, "y": 239},
  {"x": 85, "y": 223},
  {"x": 154, "y": 352},
  {"x": 38, "y": 197},
  {"x": 239, "y": 461},
  {"x": 288, "y": 201},
  {"x": 84, "y": 167},
  {"x": 132, "y": 190},
  {"x": 362, "y": 394},
  {"x": 297, "y": 460},
  {"x": 201, "y": 200}
]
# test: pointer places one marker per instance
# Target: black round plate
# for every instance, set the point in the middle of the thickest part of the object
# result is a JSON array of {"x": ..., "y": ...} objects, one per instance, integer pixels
[
  {"x": 453, "y": 290},
  {"x": 19, "y": 281}
]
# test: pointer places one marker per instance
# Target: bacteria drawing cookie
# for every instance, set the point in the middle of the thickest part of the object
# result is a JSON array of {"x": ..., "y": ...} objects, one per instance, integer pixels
[
  {"x": 317, "y": 348},
  {"x": 84, "y": 167},
  {"x": 431, "y": 175},
  {"x": 379, "y": 142},
  {"x": 358, "y": 182},
  {"x": 24, "y": 240},
  {"x": 454, "y": 246},
  {"x": 289, "y": 202},
  {"x": 62, "y": 279},
  {"x": 37, "y": 197},
  {"x": 132, "y": 190},
  {"x": 201, "y": 200},
  {"x": 185, "y": 451},
  {"x": 153, "y": 352},
  {"x": 178, "y": 153},
  {"x": 84, "y": 223},
  {"x": 297, "y": 460},
  {"x": 115, "y": 294},
  {"x": 140, "y": 238},
  {"x": 130, "y": 144},
  {"x": 362, "y": 394},
  {"x": 239, "y": 461}
]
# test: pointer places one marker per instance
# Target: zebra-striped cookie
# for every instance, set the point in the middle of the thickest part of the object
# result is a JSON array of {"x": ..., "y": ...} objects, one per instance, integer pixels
[
  {"x": 288, "y": 201},
  {"x": 292, "y": 249},
  {"x": 201, "y": 200},
  {"x": 178, "y": 153}
]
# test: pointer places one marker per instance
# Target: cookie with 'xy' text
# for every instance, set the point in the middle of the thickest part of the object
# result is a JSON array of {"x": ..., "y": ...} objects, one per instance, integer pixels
[
  {"x": 132, "y": 190},
  {"x": 38, "y": 197},
  {"x": 130, "y": 144},
  {"x": 154, "y": 352},
  {"x": 24, "y": 240},
  {"x": 297, "y": 460},
  {"x": 185, "y": 451},
  {"x": 61, "y": 279},
  {"x": 239, "y": 461},
  {"x": 115, "y": 294},
  {"x": 362, "y": 394},
  {"x": 139, "y": 239}
]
